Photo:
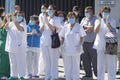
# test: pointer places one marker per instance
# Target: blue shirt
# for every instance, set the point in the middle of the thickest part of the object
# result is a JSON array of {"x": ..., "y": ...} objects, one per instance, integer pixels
[
  {"x": 33, "y": 40},
  {"x": 90, "y": 37}
]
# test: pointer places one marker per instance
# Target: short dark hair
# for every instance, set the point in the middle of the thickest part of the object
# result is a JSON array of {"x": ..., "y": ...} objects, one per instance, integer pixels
[
  {"x": 70, "y": 14},
  {"x": 89, "y": 7},
  {"x": 44, "y": 5},
  {"x": 75, "y": 8},
  {"x": 35, "y": 17},
  {"x": 21, "y": 12},
  {"x": 2, "y": 9}
]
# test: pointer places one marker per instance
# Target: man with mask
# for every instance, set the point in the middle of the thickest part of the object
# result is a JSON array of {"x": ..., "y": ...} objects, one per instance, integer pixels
[
  {"x": 76, "y": 10},
  {"x": 90, "y": 55}
]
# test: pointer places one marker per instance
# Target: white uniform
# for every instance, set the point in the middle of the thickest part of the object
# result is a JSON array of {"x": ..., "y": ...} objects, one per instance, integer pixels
[
  {"x": 41, "y": 61},
  {"x": 50, "y": 55},
  {"x": 16, "y": 46},
  {"x": 72, "y": 48},
  {"x": 100, "y": 44}
]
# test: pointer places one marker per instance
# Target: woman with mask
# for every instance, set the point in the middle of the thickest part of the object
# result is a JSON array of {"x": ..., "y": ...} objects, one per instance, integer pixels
[
  {"x": 102, "y": 26},
  {"x": 16, "y": 46},
  {"x": 50, "y": 55},
  {"x": 61, "y": 16},
  {"x": 4, "y": 58},
  {"x": 72, "y": 37},
  {"x": 33, "y": 46},
  {"x": 41, "y": 61}
]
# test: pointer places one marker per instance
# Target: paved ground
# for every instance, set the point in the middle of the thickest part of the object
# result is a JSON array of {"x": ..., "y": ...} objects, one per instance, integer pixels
[{"x": 61, "y": 73}]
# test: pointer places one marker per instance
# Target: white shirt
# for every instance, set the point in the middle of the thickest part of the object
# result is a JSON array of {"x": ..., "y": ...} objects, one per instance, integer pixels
[
  {"x": 100, "y": 42},
  {"x": 16, "y": 40},
  {"x": 41, "y": 19},
  {"x": 46, "y": 35},
  {"x": 0, "y": 20},
  {"x": 72, "y": 37}
]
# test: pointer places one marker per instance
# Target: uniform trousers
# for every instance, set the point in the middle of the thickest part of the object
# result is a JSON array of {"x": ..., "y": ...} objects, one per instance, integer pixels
[
  {"x": 50, "y": 57},
  {"x": 111, "y": 65},
  {"x": 17, "y": 64},
  {"x": 72, "y": 67},
  {"x": 32, "y": 60}
]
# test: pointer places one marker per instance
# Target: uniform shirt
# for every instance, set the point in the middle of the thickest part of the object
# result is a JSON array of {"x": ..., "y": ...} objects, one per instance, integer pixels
[
  {"x": 41, "y": 19},
  {"x": 16, "y": 40},
  {"x": 100, "y": 41},
  {"x": 72, "y": 37},
  {"x": 46, "y": 35},
  {"x": 33, "y": 40},
  {"x": 90, "y": 37},
  {"x": 0, "y": 20}
]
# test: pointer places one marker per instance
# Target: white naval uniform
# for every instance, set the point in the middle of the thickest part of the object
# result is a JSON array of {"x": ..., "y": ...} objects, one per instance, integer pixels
[
  {"x": 99, "y": 44},
  {"x": 50, "y": 55},
  {"x": 72, "y": 48},
  {"x": 16, "y": 46}
]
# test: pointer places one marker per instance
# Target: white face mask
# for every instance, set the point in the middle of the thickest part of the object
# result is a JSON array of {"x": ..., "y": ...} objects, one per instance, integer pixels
[
  {"x": 105, "y": 15},
  {"x": 76, "y": 13},
  {"x": 3, "y": 14}
]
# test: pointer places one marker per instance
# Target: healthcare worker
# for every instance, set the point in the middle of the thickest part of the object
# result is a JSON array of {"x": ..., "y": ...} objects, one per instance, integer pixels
[
  {"x": 4, "y": 57},
  {"x": 103, "y": 25},
  {"x": 50, "y": 55},
  {"x": 33, "y": 47},
  {"x": 16, "y": 46},
  {"x": 72, "y": 37},
  {"x": 41, "y": 69}
]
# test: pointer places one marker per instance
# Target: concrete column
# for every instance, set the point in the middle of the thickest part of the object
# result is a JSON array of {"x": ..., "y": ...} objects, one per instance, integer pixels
[{"x": 9, "y": 6}]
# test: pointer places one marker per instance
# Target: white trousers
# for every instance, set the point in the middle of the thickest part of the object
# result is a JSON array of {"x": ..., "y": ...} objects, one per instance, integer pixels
[
  {"x": 50, "y": 57},
  {"x": 101, "y": 63},
  {"x": 32, "y": 60},
  {"x": 72, "y": 67},
  {"x": 41, "y": 67},
  {"x": 17, "y": 64}
]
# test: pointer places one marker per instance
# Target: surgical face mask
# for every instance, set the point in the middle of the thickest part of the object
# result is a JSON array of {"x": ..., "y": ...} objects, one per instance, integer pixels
[
  {"x": 61, "y": 19},
  {"x": 43, "y": 10},
  {"x": 50, "y": 12},
  {"x": 76, "y": 13},
  {"x": 19, "y": 18},
  {"x": 3, "y": 14},
  {"x": 87, "y": 15},
  {"x": 31, "y": 22},
  {"x": 71, "y": 20},
  {"x": 105, "y": 15}
]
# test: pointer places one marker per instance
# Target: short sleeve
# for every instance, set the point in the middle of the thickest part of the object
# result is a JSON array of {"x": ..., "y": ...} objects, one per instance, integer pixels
[
  {"x": 57, "y": 23},
  {"x": 62, "y": 33},
  {"x": 82, "y": 32},
  {"x": 97, "y": 22},
  {"x": 40, "y": 20}
]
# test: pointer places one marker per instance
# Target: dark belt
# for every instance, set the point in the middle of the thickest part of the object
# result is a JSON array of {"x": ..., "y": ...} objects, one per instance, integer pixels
[{"x": 88, "y": 42}]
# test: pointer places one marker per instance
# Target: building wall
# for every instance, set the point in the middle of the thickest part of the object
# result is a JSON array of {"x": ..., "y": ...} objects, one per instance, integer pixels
[
  {"x": 2, "y": 3},
  {"x": 115, "y": 9},
  {"x": 31, "y": 7}
]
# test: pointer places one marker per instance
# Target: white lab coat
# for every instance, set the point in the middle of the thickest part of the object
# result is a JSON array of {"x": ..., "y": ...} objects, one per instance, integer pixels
[
  {"x": 72, "y": 48},
  {"x": 100, "y": 44},
  {"x": 16, "y": 46}
]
